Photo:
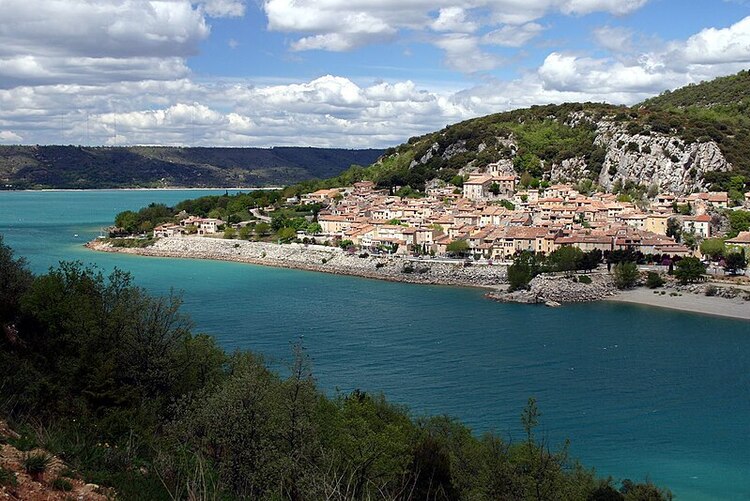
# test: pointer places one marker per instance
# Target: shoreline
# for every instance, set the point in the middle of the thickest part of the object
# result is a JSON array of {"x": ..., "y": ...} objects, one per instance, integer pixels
[
  {"x": 693, "y": 303},
  {"x": 310, "y": 258},
  {"x": 332, "y": 260}
]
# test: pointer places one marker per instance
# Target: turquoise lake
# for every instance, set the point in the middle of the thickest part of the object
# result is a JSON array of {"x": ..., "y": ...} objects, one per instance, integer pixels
[{"x": 639, "y": 391}]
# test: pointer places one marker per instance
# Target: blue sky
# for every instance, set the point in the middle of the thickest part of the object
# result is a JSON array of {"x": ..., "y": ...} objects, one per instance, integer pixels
[{"x": 347, "y": 73}]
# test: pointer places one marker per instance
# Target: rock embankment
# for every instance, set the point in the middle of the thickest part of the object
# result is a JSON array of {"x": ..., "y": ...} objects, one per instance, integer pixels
[
  {"x": 552, "y": 289},
  {"x": 320, "y": 258}
]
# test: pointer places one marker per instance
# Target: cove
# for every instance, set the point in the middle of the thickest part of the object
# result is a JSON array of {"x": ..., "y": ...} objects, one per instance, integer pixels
[{"x": 637, "y": 390}]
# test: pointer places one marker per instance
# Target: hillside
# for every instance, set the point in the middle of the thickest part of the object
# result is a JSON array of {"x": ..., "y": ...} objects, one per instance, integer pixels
[
  {"x": 102, "y": 167},
  {"x": 692, "y": 139}
]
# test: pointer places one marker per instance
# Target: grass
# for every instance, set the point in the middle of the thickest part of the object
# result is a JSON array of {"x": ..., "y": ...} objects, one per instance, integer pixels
[
  {"x": 37, "y": 463},
  {"x": 7, "y": 477},
  {"x": 62, "y": 484}
]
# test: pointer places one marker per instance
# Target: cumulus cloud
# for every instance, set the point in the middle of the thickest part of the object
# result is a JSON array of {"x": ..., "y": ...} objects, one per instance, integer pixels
[
  {"x": 45, "y": 41},
  {"x": 9, "y": 137},
  {"x": 463, "y": 53},
  {"x": 716, "y": 46},
  {"x": 343, "y": 25},
  {"x": 145, "y": 95}
]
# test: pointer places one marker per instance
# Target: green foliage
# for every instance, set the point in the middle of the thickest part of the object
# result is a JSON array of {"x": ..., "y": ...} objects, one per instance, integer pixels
[
  {"x": 508, "y": 204},
  {"x": 119, "y": 382},
  {"x": 84, "y": 167},
  {"x": 713, "y": 248},
  {"x": 286, "y": 234},
  {"x": 62, "y": 484},
  {"x": 654, "y": 280},
  {"x": 565, "y": 259},
  {"x": 626, "y": 275},
  {"x": 145, "y": 219},
  {"x": 230, "y": 233},
  {"x": 458, "y": 247},
  {"x": 689, "y": 270},
  {"x": 739, "y": 220},
  {"x": 735, "y": 262},
  {"x": 36, "y": 463},
  {"x": 7, "y": 478},
  {"x": 585, "y": 279},
  {"x": 524, "y": 268}
]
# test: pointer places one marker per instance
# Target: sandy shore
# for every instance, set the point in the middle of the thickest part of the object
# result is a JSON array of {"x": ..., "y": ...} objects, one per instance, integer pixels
[{"x": 708, "y": 305}]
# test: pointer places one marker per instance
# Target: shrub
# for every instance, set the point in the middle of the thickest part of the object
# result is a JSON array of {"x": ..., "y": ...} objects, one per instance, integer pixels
[
  {"x": 364, "y": 255},
  {"x": 711, "y": 290},
  {"x": 584, "y": 279},
  {"x": 7, "y": 477},
  {"x": 324, "y": 260},
  {"x": 626, "y": 275},
  {"x": 654, "y": 280},
  {"x": 407, "y": 269},
  {"x": 62, "y": 484},
  {"x": 379, "y": 265},
  {"x": 36, "y": 463}
]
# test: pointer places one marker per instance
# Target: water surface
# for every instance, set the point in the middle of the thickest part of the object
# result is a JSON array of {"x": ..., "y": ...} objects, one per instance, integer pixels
[{"x": 639, "y": 391}]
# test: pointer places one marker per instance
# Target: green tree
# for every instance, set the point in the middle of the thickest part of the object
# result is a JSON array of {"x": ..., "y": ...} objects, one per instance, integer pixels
[
  {"x": 689, "y": 270},
  {"x": 567, "y": 258},
  {"x": 262, "y": 229},
  {"x": 654, "y": 280},
  {"x": 286, "y": 234},
  {"x": 458, "y": 247},
  {"x": 314, "y": 229},
  {"x": 713, "y": 248},
  {"x": 626, "y": 275},
  {"x": 495, "y": 189},
  {"x": 524, "y": 268},
  {"x": 735, "y": 262},
  {"x": 244, "y": 232},
  {"x": 230, "y": 232},
  {"x": 739, "y": 220}
]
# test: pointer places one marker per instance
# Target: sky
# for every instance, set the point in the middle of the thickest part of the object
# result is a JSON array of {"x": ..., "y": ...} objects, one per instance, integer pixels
[{"x": 337, "y": 73}]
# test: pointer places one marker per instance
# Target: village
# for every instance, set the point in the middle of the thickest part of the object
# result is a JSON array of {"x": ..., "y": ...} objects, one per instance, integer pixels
[{"x": 492, "y": 219}]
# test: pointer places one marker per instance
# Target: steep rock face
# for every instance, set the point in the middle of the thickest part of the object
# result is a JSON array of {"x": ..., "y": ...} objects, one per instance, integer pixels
[{"x": 660, "y": 159}]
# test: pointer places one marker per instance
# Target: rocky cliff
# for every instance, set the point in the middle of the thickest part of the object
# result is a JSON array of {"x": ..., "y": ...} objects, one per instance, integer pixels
[{"x": 678, "y": 142}]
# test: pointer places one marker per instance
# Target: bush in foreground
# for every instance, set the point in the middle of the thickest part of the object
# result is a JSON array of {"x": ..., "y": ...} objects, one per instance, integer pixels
[{"x": 122, "y": 389}]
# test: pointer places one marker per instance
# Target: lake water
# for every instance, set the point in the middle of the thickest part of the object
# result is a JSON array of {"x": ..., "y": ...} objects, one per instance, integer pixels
[{"x": 639, "y": 391}]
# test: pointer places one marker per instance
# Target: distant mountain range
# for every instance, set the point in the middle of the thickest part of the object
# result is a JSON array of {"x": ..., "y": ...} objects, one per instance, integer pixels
[
  {"x": 30, "y": 167},
  {"x": 691, "y": 139}
]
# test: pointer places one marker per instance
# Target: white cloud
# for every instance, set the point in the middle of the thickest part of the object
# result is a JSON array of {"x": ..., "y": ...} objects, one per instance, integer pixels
[
  {"x": 453, "y": 19},
  {"x": 614, "y": 38},
  {"x": 144, "y": 96},
  {"x": 715, "y": 46},
  {"x": 513, "y": 36},
  {"x": 224, "y": 8},
  {"x": 9, "y": 137},
  {"x": 43, "y": 41},
  {"x": 343, "y": 25},
  {"x": 463, "y": 53}
]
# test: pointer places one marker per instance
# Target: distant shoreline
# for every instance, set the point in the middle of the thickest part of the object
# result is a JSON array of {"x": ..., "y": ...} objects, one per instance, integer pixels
[{"x": 338, "y": 262}]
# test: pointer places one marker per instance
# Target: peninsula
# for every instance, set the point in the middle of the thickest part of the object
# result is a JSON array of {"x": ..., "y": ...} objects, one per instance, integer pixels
[{"x": 551, "y": 204}]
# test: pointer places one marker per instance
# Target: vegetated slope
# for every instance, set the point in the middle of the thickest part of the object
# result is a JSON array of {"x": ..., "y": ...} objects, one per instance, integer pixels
[
  {"x": 691, "y": 139},
  {"x": 141, "y": 166}
]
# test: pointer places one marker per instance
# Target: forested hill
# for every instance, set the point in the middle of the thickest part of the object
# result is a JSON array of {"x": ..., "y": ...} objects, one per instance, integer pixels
[
  {"x": 691, "y": 139},
  {"x": 23, "y": 167}
]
